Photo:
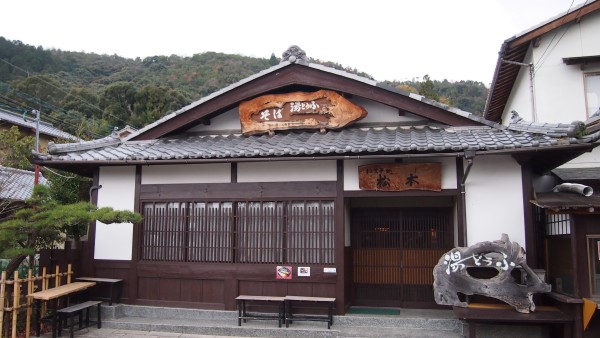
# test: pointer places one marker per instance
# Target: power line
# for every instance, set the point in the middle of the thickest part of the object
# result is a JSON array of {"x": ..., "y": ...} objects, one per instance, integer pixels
[
  {"x": 46, "y": 105},
  {"x": 540, "y": 63}
]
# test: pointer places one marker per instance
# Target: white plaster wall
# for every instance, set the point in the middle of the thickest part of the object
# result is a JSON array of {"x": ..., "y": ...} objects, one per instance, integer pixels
[
  {"x": 280, "y": 171},
  {"x": 559, "y": 88},
  {"x": 114, "y": 241},
  {"x": 118, "y": 188},
  {"x": 187, "y": 173},
  {"x": 448, "y": 170},
  {"x": 494, "y": 200},
  {"x": 378, "y": 112},
  {"x": 230, "y": 120}
]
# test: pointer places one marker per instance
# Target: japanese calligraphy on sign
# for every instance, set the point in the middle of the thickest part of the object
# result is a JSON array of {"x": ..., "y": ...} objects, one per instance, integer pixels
[
  {"x": 323, "y": 109},
  {"x": 400, "y": 176}
]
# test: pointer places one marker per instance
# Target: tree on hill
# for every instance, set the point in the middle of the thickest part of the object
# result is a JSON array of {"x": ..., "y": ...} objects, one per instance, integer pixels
[
  {"x": 34, "y": 76},
  {"x": 427, "y": 89}
]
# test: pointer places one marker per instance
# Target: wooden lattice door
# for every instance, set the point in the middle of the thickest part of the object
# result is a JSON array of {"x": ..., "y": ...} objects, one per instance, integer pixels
[{"x": 394, "y": 251}]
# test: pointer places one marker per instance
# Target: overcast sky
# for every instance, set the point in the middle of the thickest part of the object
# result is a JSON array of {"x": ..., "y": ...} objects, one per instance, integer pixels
[{"x": 389, "y": 39}]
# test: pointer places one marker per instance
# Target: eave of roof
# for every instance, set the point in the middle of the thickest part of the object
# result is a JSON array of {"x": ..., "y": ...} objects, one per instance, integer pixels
[
  {"x": 561, "y": 202},
  {"x": 347, "y": 143},
  {"x": 577, "y": 174},
  {"x": 514, "y": 49}
]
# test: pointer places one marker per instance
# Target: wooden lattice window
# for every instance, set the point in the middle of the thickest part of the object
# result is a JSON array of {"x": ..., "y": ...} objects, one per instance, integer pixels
[{"x": 263, "y": 232}]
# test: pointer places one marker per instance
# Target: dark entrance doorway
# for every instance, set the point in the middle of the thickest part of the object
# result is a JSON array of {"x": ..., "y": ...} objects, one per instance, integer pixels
[{"x": 394, "y": 251}]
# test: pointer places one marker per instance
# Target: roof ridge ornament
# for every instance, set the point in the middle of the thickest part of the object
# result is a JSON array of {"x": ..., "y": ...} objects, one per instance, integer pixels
[{"x": 295, "y": 54}]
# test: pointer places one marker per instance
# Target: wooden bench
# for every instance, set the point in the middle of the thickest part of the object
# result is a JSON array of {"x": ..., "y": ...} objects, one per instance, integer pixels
[
  {"x": 289, "y": 312},
  {"x": 505, "y": 314},
  {"x": 77, "y": 309},
  {"x": 112, "y": 282},
  {"x": 244, "y": 315}
]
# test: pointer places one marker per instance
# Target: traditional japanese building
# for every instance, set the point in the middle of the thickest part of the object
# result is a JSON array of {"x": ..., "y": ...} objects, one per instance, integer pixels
[{"x": 306, "y": 180}]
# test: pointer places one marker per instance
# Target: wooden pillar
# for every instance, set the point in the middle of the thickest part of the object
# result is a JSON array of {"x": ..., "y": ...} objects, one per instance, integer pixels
[
  {"x": 461, "y": 231},
  {"x": 132, "y": 278},
  {"x": 531, "y": 242},
  {"x": 340, "y": 257}
]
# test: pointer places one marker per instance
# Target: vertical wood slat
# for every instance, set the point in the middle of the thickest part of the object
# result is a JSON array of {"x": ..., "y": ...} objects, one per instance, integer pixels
[
  {"x": 2, "y": 300},
  {"x": 266, "y": 231},
  {"x": 395, "y": 251},
  {"x": 29, "y": 303},
  {"x": 16, "y": 294}
]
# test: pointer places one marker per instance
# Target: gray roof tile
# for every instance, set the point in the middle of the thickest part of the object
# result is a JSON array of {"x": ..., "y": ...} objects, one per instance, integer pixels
[
  {"x": 302, "y": 143},
  {"x": 17, "y": 184}
]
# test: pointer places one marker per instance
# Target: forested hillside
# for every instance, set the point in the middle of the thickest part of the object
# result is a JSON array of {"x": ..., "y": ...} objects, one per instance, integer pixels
[{"x": 90, "y": 94}]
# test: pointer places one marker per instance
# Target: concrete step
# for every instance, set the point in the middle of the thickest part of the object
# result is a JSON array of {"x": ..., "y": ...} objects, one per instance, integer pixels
[{"x": 427, "y": 323}]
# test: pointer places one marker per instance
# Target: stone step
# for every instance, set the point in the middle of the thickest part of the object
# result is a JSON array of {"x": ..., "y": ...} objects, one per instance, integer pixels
[{"x": 224, "y": 323}]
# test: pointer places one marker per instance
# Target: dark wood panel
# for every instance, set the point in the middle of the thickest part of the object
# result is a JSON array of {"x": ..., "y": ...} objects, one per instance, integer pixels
[
  {"x": 147, "y": 288},
  {"x": 213, "y": 291},
  {"x": 258, "y": 272},
  {"x": 238, "y": 190},
  {"x": 300, "y": 289},
  {"x": 190, "y": 290},
  {"x": 182, "y": 290},
  {"x": 410, "y": 193},
  {"x": 275, "y": 288},
  {"x": 246, "y": 287},
  {"x": 168, "y": 289}
]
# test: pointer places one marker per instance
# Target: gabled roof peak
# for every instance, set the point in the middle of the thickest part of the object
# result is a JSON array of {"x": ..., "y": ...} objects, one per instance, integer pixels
[{"x": 295, "y": 54}]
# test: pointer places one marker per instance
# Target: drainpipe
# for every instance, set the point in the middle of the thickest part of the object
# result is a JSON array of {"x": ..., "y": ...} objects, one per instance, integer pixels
[
  {"x": 92, "y": 188},
  {"x": 469, "y": 155}
]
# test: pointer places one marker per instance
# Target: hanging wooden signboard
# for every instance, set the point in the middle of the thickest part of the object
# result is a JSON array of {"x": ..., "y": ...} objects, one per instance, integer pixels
[
  {"x": 400, "y": 176},
  {"x": 323, "y": 109}
]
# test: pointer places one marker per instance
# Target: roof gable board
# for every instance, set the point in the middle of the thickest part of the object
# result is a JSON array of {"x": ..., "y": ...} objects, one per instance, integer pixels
[{"x": 289, "y": 76}]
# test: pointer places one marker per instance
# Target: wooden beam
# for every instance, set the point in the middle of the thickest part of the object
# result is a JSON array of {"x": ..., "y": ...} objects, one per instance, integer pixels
[{"x": 563, "y": 20}]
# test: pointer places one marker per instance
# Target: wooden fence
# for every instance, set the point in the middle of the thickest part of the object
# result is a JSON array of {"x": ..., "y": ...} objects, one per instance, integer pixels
[{"x": 14, "y": 300}]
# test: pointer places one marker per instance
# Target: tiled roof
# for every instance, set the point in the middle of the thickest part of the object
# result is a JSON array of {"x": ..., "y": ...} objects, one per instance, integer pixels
[
  {"x": 17, "y": 184},
  {"x": 576, "y": 174},
  {"x": 45, "y": 128},
  {"x": 561, "y": 201},
  {"x": 350, "y": 141}
]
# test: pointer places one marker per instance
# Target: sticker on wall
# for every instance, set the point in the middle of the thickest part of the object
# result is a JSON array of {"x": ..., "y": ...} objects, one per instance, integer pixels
[
  {"x": 283, "y": 272},
  {"x": 304, "y": 271},
  {"x": 329, "y": 270}
]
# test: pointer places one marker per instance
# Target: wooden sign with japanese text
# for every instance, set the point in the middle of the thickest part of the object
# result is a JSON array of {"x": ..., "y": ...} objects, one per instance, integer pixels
[
  {"x": 400, "y": 176},
  {"x": 323, "y": 109}
]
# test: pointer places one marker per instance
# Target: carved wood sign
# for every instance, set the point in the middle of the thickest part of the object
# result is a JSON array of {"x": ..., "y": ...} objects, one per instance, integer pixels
[
  {"x": 323, "y": 109},
  {"x": 400, "y": 176}
]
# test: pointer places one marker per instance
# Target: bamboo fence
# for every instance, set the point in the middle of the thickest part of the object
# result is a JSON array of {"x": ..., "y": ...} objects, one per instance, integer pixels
[{"x": 20, "y": 301}]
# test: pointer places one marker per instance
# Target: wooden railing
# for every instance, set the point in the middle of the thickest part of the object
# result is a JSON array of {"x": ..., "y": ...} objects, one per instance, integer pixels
[{"x": 13, "y": 297}]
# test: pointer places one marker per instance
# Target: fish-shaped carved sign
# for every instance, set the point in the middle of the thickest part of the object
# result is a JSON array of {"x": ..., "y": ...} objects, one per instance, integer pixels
[{"x": 323, "y": 109}]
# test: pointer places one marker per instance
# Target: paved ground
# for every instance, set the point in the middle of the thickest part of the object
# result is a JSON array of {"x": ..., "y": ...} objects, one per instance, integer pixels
[{"x": 94, "y": 332}]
